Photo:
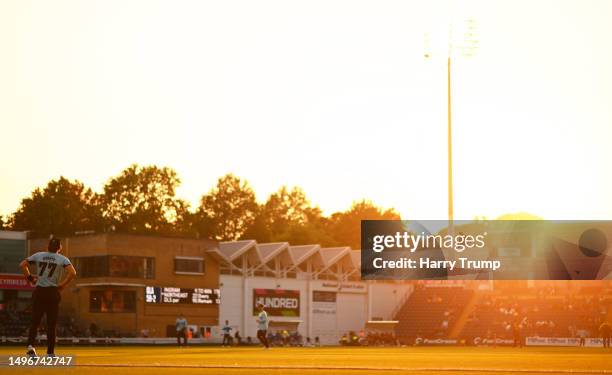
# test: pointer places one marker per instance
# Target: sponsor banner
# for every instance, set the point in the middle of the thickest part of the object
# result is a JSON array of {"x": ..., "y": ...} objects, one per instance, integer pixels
[
  {"x": 114, "y": 340},
  {"x": 562, "y": 341},
  {"x": 422, "y": 341},
  {"x": 278, "y": 302},
  {"x": 496, "y": 341},
  {"x": 486, "y": 250},
  {"x": 323, "y": 296},
  {"x": 323, "y": 308},
  {"x": 442, "y": 283},
  {"x": 14, "y": 282},
  {"x": 343, "y": 287},
  {"x": 324, "y": 303}
]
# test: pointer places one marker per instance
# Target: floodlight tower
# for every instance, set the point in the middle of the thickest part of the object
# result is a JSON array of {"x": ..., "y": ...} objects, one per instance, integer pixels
[{"x": 467, "y": 48}]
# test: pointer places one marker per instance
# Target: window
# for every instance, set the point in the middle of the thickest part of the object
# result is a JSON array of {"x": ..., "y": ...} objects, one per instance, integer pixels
[
  {"x": 91, "y": 266},
  {"x": 189, "y": 265},
  {"x": 11, "y": 253},
  {"x": 112, "y": 301},
  {"x": 133, "y": 267},
  {"x": 115, "y": 266}
]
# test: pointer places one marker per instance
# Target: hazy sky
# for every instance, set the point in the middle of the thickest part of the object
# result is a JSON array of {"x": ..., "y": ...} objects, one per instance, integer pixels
[{"x": 332, "y": 96}]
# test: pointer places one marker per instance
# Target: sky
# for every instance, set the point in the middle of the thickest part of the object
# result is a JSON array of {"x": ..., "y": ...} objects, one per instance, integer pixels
[{"x": 336, "y": 97}]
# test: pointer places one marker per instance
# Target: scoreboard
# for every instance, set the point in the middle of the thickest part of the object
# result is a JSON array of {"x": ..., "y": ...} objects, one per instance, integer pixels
[{"x": 173, "y": 295}]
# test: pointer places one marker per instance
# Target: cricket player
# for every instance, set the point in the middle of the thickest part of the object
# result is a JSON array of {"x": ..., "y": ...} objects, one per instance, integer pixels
[
  {"x": 262, "y": 326},
  {"x": 181, "y": 330},
  {"x": 227, "y": 334},
  {"x": 50, "y": 267}
]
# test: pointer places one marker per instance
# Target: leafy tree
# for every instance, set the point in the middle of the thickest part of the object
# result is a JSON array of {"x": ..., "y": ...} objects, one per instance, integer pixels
[
  {"x": 228, "y": 210},
  {"x": 185, "y": 222},
  {"x": 142, "y": 200},
  {"x": 345, "y": 226},
  {"x": 2, "y": 224},
  {"x": 314, "y": 231},
  {"x": 287, "y": 208},
  {"x": 289, "y": 216},
  {"x": 62, "y": 207}
]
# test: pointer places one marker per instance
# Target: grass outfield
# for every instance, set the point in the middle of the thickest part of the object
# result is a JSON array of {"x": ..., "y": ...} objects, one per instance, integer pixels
[{"x": 331, "y": 360}]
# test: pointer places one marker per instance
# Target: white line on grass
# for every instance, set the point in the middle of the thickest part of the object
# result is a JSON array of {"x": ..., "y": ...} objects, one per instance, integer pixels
[{"x": 352, "y": 368}]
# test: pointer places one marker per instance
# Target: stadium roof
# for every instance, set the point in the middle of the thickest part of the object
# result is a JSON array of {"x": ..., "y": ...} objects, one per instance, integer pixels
[{"x": 281, "y": 259}]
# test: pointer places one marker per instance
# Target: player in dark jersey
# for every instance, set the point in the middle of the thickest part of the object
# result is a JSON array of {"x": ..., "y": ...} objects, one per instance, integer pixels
[{"x": 50, "y": 267}]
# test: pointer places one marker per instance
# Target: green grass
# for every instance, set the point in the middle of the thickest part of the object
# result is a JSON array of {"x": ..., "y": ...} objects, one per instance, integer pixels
[{"x": 333, "y": 360}]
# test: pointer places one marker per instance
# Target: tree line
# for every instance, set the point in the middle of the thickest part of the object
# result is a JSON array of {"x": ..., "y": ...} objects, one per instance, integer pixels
[{"x": 142, "y": 200}]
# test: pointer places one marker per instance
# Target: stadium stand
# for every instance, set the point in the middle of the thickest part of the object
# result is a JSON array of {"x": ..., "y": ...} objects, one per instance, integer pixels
[
  {"x": 431, "y": 312},
  {"x": 551, "y": 316},
  {"x": 465, "y": 313},
  {"x": 14, "y": 323}
]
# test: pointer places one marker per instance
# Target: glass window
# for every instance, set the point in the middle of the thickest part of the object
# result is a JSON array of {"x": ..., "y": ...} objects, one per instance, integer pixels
[
  {"x": 96, "y": 266},
  {"x": 149, "y": 268},
  {"x": 115, "y": 266},
  {"x": 124, "y": 266},
  {"x": 112, "y": 301},
  {"x": 188, "y": 265},
  {"x": 12, "y": 253}
]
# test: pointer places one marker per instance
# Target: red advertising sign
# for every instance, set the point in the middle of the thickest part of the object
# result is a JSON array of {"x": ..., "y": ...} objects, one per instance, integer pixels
[
  {"x": 14, "y": 282},
  {"x": 278, "y": 302}
]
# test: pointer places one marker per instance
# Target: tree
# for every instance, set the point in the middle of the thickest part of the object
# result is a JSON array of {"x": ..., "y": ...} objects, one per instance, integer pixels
[
  {"x": 2, "y": 224},
  {"x": 228, "y": 210},
  {"x": 287, "y": 208},
  {"x": 314, "y": 231},
  {"x": 62, "y": 207},
  {"x": 345, "y": 226},
  {"x": 185, "y": 223},
  {"x": 288, "y": 216},
  {"x": 142, "y": 200}
]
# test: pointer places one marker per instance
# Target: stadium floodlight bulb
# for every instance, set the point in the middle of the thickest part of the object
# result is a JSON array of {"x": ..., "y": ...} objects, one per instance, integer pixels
[
  {"x": 462, "y": 41},
  {"x": 468, "y": 44}
]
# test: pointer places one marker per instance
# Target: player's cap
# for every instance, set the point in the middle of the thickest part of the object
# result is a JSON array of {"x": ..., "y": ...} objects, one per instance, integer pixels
[{"x": 54, "y": 245}]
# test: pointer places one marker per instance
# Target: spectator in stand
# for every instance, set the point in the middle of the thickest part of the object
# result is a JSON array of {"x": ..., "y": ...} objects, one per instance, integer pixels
[
  {"x": 582, "y": 334},
  {"x": 606, "y": 332},
  {"x": 285, "y": 337},
  {"x": 444, "y": 326},
  {"x": 344, "y": 340},
  {"x": 93, "y": 330},
  {"x": 517, "y": 333}
]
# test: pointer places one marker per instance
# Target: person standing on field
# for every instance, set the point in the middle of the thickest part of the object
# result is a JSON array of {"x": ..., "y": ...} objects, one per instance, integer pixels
[
  {"x": 181, "y": 330},
  {"x": 227, "y": 334},
  {"x": 50, "y": 268},
  {"x": 262, "y": 326}
]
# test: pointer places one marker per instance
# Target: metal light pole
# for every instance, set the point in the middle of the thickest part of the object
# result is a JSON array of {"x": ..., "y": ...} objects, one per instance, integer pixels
[
  {"x": 450, "y": 143},
  {"x": 470, "y": 44}
]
